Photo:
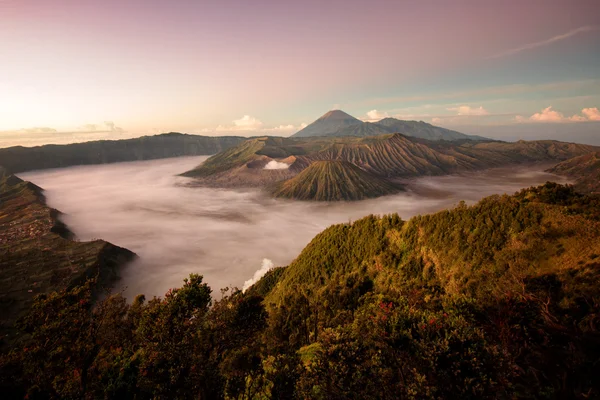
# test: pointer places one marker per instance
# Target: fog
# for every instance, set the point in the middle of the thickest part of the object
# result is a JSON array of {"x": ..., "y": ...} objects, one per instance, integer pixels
[{"x": 229, "y": 236}]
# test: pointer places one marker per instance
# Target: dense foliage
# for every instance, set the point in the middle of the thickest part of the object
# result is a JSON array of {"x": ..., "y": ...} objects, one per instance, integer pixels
[{"x": 496, "y": 300}]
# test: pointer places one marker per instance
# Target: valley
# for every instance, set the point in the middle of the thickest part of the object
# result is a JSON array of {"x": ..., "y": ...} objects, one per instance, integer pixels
[{"x": 226, "y": 233}]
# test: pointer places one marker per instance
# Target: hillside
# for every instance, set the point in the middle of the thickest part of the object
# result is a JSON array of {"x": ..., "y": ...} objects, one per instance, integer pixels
[
  {"x": 499, "y": 300},
  {"x": 389, "y": 156},
  {"x": 38, "y": 255},
  {"x": 584, "y": 170},
  {"x": 333, "y": 181},
  {"x": 20, "y": 159},
  {"x": 337, "y": 123},
  {"x": 522, "y": 270}
]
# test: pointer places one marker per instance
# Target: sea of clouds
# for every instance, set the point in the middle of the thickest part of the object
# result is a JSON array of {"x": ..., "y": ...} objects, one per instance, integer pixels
[{"x": 232, "y": 237}]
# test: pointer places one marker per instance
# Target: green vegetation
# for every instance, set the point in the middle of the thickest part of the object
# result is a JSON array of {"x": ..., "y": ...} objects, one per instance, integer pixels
[
  {"x": 232, "y": 158},
  {"x": 333, "y": 181},
  {"x": 19, "y": 159},
  {"x": 496, "y": 300},
  {"x": 585, "y": 170}
]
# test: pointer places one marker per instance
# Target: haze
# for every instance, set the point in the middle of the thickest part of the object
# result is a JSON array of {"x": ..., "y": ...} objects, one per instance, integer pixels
[{"x": 227, "y": 235}]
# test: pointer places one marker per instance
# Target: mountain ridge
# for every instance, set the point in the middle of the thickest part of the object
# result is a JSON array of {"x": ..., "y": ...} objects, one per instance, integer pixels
[
  {"x": 20, "y": 159},
  {"x": 331, "y": 180},
  {"x": 338, "y": 123},
  {"x": 390, "y": 156},
  {"x": 38, "y": 254}
]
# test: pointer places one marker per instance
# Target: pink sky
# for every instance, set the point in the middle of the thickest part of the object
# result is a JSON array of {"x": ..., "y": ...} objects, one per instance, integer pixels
[{"x": 153, "y": 66}]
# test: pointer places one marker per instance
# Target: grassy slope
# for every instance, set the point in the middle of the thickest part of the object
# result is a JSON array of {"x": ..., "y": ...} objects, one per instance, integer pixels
[
  {"x": 229, "y": 159},
  {"x": 37, "y": 254},
  {"x": 476, "y": 251},
  {"x": 333, "y": 181},
  {"x": 585, "y": 170}
]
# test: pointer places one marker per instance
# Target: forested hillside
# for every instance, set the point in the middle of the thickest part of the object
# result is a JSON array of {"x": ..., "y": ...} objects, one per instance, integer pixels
[{"x": 497, "y": 300}]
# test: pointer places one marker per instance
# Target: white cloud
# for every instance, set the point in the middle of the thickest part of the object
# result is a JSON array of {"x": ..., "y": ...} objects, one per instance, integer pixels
[
  {"x": 550, "y": 115},
  {"x": 375, "y": 115},
  {"x": 468, "y": 110},
  {"x": 39, "y": 129},
  {"x": 436, "y": 120},
  {"x": 591, "y": 114},
  {"x": 247, "y": 123},
  {"x": 528, "y": 46},
  {"x": 273, "y": 164},
  {"x": 547, "y": 115}
]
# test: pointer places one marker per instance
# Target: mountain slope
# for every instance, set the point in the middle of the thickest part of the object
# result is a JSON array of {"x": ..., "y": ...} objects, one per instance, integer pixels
[
  {"x": 333, "y": 181},
  {"x": 328, "y": 124},
  {"x": 20, "y": 159},
  {"x": 423, "y": 130},
  {"x": 471, "y": 251},
  {"x": 399, "y": 156},
  {"x": 338, "y": 124},
  {"x": 585, "y": 170},
  {"x": 37, "y": 254},
  {"x": 521, "y": 270},
  {"x": 388, "y": 156}
]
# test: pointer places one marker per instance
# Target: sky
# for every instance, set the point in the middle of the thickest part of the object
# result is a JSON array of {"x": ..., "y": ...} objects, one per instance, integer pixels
[{"x": 74, "y": 70}]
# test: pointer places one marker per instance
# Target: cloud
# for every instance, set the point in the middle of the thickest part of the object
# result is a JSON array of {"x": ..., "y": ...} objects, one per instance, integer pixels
[
  {"x": 266, "y": 266},
  {"x": 436, "y": 120},
  {"x": 547, "y": 115},
  {"x": 112, "y": 127},
  {"x": 375, "y": 115},
  {"x": 592, "y": 114},
  {"x": 40, "y": 129},
  {"x": 246, "y": 123},
  {"x": 276, "y": 165},
  {"x": 554, "y": 39},
  {"x": 550, "y": 115},
  {"x": 470, "y": 111}
]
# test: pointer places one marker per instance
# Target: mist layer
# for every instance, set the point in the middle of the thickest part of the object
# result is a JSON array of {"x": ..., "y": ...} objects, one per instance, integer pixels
[{"x": 226, "y": 234}]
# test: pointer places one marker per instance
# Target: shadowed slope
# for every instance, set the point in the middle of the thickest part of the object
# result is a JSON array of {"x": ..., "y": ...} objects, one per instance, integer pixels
[
  {"x": 585, "y": 170},
  {"x": 37, "y": 254},
  {"x": 20, "y": 159},
  {"x": 333, "y": 181}
]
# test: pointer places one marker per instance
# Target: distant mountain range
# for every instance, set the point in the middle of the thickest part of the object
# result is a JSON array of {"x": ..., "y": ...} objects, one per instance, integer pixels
[
  {"x": 338, "y": 123},
  {"x": 20, "y": 159},
  {"x": 382, "y": 160}
]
